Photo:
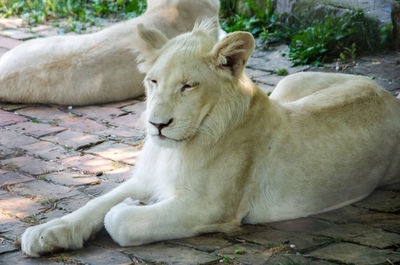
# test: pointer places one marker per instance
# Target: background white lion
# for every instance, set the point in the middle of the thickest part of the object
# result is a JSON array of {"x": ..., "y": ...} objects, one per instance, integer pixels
[
  {"x": 92, "y": 68},
  {"x": 219, "y": 152}
]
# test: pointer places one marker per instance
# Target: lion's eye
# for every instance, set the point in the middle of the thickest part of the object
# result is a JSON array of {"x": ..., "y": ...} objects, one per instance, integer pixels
[
  {"x": 186, "y": 87},
  {"x": 153, "y": 81}
]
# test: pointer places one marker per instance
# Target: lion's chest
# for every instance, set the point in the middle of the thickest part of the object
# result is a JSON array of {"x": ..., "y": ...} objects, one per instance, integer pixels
[{"x": 160, "y": 168}]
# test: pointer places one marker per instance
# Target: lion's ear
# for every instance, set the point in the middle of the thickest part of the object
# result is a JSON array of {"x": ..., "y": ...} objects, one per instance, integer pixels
[
  {"x": 152, "y": 40},
  {"x": 233, "y": 51}
]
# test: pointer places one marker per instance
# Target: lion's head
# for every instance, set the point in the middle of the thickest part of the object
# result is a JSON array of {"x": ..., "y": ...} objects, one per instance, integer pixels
[{"x": 192, "y": 82}]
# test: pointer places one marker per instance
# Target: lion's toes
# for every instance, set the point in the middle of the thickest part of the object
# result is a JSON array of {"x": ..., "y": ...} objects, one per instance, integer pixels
[{"x": 49, "y": 237}]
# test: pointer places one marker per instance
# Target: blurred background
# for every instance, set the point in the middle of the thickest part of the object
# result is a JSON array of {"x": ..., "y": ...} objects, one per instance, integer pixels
[{"x": 315, "y": 31}]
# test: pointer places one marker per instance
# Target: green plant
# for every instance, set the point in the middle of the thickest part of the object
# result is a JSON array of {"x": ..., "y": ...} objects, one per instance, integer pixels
[
  {"x": 239, "y": 252},
  {"x": 349, "y": 53},
  {"x": 84, "y": 11},
  {"x": 228, "y": 260},
  {"x": 31, "y": 220},
  {"x": 311, "y": 41},
  {"x": 263, "y": 23},
  {"x": 48, "y": 201},
  {"x": 270, "y": 244},
  {"x": 42, "y": 178},
  {"x": 325, "y": 40},
  {"x": 281, "y": 72}
]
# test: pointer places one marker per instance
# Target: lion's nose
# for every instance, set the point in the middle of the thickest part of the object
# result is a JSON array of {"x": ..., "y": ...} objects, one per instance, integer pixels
[{"x": 160, "y": 126}]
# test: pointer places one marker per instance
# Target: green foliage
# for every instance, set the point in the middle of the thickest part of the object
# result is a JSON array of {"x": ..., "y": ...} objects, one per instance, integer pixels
[
  {"x": 32, "y": 219},
  {"x": 83, "y": 11},
  {"x": 311, "y": 42},
  {"x": 349, "y": 53},
  {"x": 228, "y": 260},
  {"x": 239, "y": 252},
  {"x": 264, "y": 24},
  {"x": 281, "y": 72},
  {"x": 337, "y": 37},
  {"x": 314, "y": 41}
]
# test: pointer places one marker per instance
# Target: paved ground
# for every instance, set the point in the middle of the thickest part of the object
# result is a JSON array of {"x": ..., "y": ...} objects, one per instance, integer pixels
[{"x": 53, "y": 159}]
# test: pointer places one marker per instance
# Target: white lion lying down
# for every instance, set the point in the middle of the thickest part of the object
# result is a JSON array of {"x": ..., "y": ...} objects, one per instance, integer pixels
[
  {"x": 92, "y": 68},
  {"x": 219, "y": 152}
]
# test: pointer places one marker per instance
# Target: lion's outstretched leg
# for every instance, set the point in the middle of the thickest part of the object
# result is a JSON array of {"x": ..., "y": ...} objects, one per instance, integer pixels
[{"x": 70, "y": 231}]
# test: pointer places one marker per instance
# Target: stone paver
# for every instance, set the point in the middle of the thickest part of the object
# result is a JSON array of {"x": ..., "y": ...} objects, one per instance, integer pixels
[
  {"x": 170, "y": 254},
  {"x": 245, "y": 253},
  {"x": 13, "y": 107},
  {"x": 42, "y": 191},
  {"x": 8, "y": 43},
  {"x": 47, "y": 150},
  {"x": 11, "y": 227},
  {"x": 275, "y": 238},
  {"x": 79, "y": 124},
  {"x": 36, "y": 129},
  {"x": 90, "y": 164},
  {"x": 362, "y": 234},
  {"x": 19, "y": 206},
  {"x": 7, "y": 118},
  {"x": 98, "y": 256},
  {"x": 123, "y": 134},
  {"x": 42, "y": 113},
  {"x": 54, "y": 159},
  {"x": 354, "y": 254},
  {"x": 7, "y": 245},
  {"x": 12, "y": 139},
  {"x": 73, "y": 203},
  {"x": 18, "y": 35},
  {"x": 20, "y": 259},
  {"x": 31, "y": 165},
  {"x": 128, "y": 120},
  {"x": 72, "y": 179},
  {"x": 100, "y": 189},
  {"x": 294, "y": 259},
  {"x": 118, "y": 175},
  {"x": 385, "y": 201},
  {"x": 138, "y": 108},
  {"x": 74, "y": 140},
  {"x": 12, "y": 177},
  {"x": 98, "y": 113},
  {"x": 116, "y": 151},
  {"x": 7, "y": 152},
  {"x": 207, "y": 243}
]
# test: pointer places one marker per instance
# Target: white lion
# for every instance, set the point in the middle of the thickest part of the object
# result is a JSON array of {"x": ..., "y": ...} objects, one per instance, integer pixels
[
  {"x": 219, "y": 152},
  {"x": 92, "y": 68}
]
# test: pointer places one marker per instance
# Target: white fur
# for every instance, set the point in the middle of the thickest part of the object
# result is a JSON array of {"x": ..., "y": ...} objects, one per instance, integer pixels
[
  {"x": 232, "y": 155},
  {"x": 92, "y": 68}
]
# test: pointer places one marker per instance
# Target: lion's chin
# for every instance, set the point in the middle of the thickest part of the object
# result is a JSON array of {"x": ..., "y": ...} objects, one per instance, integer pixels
[{"x": 167, "y": 142}]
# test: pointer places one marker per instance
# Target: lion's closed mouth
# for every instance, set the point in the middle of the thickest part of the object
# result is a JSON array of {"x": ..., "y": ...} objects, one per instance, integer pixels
[{"x": 163, "y": 137}]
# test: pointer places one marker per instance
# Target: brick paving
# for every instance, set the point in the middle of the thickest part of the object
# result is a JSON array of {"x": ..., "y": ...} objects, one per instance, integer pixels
[{"x": 53, "y": 159}]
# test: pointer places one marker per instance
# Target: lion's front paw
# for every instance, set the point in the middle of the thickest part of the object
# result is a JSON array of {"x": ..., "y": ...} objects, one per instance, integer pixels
[
  {"x": 118, "y": 221},
  {"x": 50, "y": 237}
]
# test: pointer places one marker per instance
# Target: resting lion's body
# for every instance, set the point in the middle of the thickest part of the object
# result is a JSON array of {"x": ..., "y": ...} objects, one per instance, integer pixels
[
  {"x": 92, "y": 68},
  {"x": 219, "y": 152}
]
